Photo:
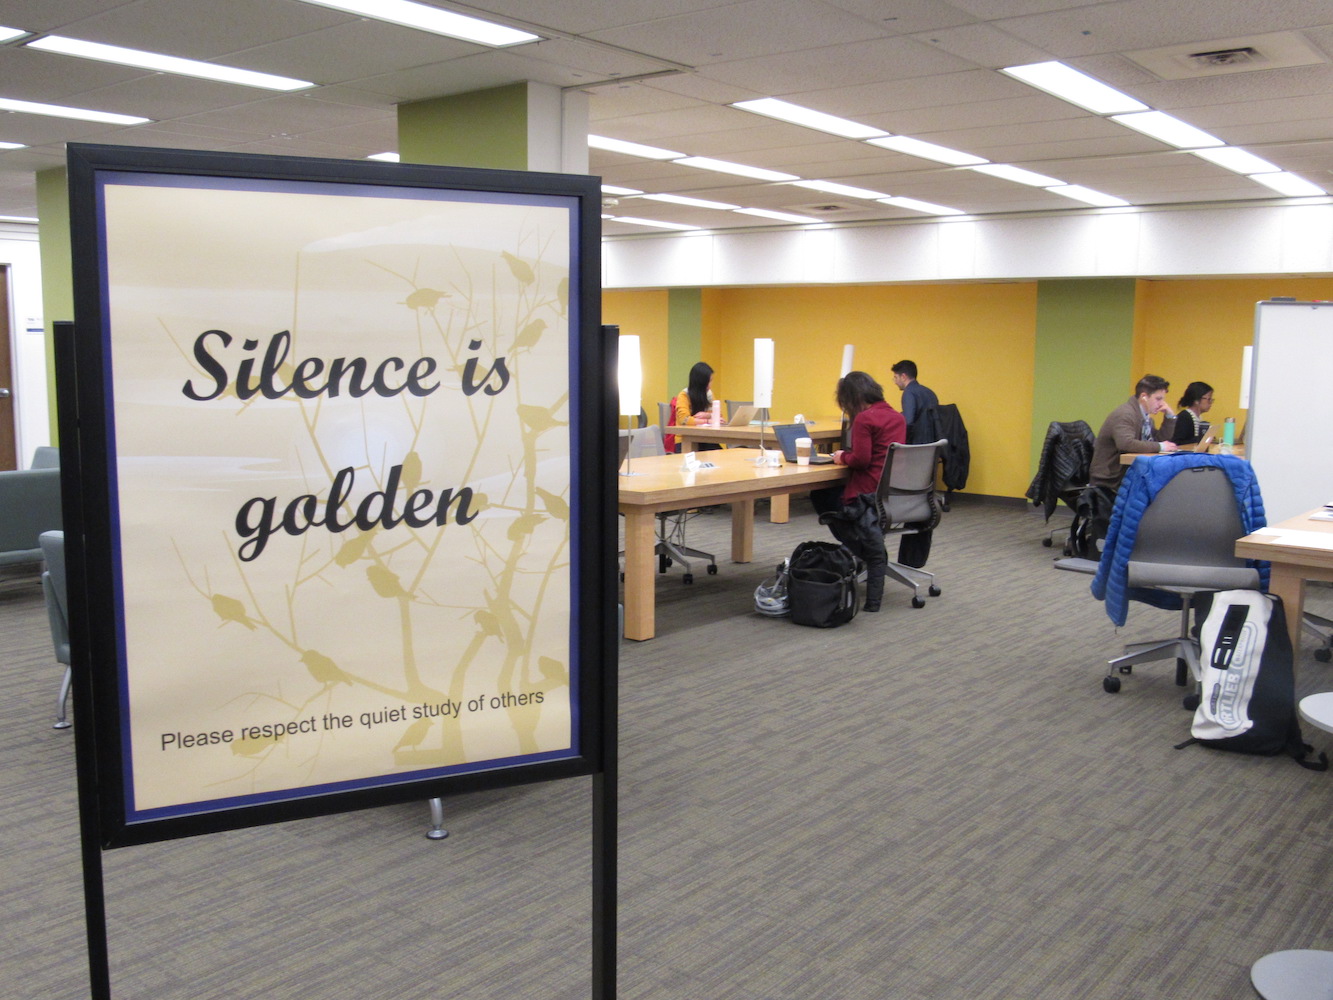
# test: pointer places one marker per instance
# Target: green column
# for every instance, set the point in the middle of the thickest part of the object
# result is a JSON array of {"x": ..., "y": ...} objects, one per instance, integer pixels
[
  {"x": 520, "y": 126},
  {"x": 684, "y": 335},
  {"x": 57, "y": 268},
  {"x": 1084, "y": 352}
]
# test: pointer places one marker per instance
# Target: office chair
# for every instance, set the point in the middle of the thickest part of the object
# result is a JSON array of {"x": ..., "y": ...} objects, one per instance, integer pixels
[
  {"x": 909, "y": 505},
  {"x": 1063, "y": 470},
  {"x": 665, "y": 419},
  {"x": 1185, "y": 546},
  {"x": 1320, "y": 627},
  {"x": 57, "y": 611},
  {"x": 671, "y": 547}
]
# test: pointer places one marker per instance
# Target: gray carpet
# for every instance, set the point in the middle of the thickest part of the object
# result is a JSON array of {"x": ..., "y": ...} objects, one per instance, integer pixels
[{"x": 934, "y": 803}]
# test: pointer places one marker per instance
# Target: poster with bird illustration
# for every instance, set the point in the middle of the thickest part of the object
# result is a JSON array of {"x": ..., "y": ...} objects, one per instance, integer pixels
[{"x": 343, "y": 496}]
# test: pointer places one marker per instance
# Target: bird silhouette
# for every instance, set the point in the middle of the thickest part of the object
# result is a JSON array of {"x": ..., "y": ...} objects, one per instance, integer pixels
[
  {"x": 385, "y": 581},
  {"x": 537, "y": 417},
  {"x": 229, "y": 609},
  {"x": 413, "y": 735},
  {"x": 523, "y": 524},
  {"x": 520, "y": 269},
  {"x": 323, "y": 669},
  {"x": 530, "y": 334},
  {"x": 555, "y": 506}
]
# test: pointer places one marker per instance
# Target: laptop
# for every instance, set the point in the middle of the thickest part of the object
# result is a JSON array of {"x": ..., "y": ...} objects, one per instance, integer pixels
[
  {"x": 742, "y": 417},
  {"x": 787, "y": 435}
]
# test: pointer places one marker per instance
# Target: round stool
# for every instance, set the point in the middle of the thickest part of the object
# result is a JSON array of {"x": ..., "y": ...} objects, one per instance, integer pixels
[{"x": 1303, "y": 974}]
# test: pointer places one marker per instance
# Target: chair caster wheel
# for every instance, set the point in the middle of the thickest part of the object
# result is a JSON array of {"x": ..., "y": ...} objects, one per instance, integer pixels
[
  {"x": 712, "y": 569},
  {"x": 1323, "y": 655},
  {"x": 1046, "y": 542},
  {"x": 688, "y": 578},
  {"x": 918, "y": 602},
  {"x": 1111, "y": 684},
  {"x": 1190, "y": 702},
  {"x": 934, "y": 591},
  {"x": 622, "y": 577}
]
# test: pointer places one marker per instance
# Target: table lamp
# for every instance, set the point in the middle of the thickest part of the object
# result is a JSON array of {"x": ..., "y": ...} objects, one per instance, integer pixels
[{"x": 629, "y": 375}]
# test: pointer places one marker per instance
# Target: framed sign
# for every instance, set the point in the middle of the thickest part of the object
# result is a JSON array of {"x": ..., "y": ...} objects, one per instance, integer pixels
[{"x": 345, "y": 521}]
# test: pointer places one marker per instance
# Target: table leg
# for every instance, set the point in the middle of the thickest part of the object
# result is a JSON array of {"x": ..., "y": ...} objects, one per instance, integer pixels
[
  {"x": 742, "y": 531},
  {"x": 1288, "y": 584},
  {"x": 640, "y": 541},
  {"x": 778, "y": 510}
]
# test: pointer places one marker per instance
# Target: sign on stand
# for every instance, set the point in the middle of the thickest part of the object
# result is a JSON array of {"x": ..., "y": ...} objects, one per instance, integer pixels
[{"x": 344, "y": 513}]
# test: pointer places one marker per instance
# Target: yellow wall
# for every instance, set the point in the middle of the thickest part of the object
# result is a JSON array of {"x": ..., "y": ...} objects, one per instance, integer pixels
[
  {"x": 643, "y": 314},
  {"x": 1193, "y": 330},
  {"x": 973, "y": 344}
]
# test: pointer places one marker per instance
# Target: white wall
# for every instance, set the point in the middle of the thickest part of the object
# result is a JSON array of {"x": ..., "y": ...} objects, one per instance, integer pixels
[
  {"x": 1282, "y": 237},
  {"x": 18, "y": 251}
]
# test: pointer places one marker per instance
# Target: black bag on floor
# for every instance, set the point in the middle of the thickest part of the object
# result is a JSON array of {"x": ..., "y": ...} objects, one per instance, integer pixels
[
  {"x": 1092, "y": 519},
  {"x": 821, "y": 584},
  {"x": 1248, "y": 693}
]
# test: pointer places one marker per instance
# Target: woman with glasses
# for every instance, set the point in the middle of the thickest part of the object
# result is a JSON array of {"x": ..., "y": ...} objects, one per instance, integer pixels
[{"x": 1190, "y": 425}]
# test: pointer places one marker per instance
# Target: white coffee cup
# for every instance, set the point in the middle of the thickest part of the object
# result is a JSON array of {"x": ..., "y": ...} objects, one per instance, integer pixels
[{"x": 803, "y": 449}]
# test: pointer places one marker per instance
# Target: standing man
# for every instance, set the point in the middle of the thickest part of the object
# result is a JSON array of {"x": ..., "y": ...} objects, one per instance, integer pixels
[
  {"x": 919, "y": 405},
  {"x": 1129, "y": 429}
]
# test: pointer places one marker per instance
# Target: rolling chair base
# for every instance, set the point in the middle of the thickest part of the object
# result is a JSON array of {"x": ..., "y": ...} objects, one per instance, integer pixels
[{"x": 1184, "y": 649}]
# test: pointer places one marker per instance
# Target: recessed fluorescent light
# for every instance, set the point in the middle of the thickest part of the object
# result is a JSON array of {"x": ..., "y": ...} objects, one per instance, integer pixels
[
  {"x": 927, "y": 150},
  {"x": 426, "y": 18},
  {"x": 651, "y": 222},
  {"x": 16, "y": 218},
  {"x": 60, "y": 111},
  {"x": 922, "y": 206},
  {"x": 680, "y": 199},
  {"x": 797, "y": 115},
  {"x": 1088, "y": 196},
  {"x": 1288, "y": 184},
  {"x": 384, "y": 157},
  {"x": 739, "y": 169},
  {"x": 1236, "y": 159},
  {"x": 8, "y": 33},
  {"x": 164, "y": 64},
  {"x": 845, "y": 190},
  {"x": 12, "y": 145},
  {"x": 1173, "y": 131},
  {"x": 614, "y": 189},
  {"x": 1018, "y": 175},
  {"x": 1075, "y": 87},
  {"x": 765, "y": 213},
  {"x": 632, "y": 148}
]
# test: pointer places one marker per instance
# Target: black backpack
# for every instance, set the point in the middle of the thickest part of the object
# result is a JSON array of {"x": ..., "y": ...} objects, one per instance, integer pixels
[
  {"x": 821, "y": 584},
  {"x": 1248, "y": 694}
]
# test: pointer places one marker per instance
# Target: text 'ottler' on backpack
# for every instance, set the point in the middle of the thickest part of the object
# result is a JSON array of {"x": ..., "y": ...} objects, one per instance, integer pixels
[
  {"x": 821, "y": 584},
  {"x": 1248, "y": 695}
]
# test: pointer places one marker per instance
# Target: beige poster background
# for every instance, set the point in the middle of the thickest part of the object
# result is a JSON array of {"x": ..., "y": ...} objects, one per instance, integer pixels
[{"x": 259, "y": 662}]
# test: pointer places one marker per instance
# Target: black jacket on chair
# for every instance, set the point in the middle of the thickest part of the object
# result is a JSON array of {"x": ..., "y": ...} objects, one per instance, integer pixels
[
  {"x": 957, "y": 456},
  {"x": 1062, "y": 472}
]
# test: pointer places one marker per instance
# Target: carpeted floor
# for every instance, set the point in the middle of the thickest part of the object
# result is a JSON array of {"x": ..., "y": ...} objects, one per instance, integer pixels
[{"x": 934, "y": 803}]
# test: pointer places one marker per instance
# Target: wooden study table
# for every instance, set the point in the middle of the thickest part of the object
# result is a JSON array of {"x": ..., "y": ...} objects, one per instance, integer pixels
[
  {"x": 821, "y": 432},
  {"x": 661, "y": 483},
  {"x": 1298, "y": 549},
  {"x": 1130, "y": 457}
]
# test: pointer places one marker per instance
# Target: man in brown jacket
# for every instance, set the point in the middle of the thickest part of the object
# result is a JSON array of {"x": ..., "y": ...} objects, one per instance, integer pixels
[{"x": 1129, "y": 428}]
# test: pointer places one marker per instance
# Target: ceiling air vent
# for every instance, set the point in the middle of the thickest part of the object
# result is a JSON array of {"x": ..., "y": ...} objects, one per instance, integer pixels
[
  {"x": 1277, "y": 50},
  {"x": 826, "y": 208},
  {"x": 1246, "y": 55}
]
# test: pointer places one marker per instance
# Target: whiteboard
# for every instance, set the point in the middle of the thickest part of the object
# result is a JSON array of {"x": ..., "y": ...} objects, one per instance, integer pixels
[{"x": 1288, "y": 435}]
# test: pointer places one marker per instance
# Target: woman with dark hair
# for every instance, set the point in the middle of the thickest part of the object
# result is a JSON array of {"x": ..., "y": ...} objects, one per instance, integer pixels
[
  {"x": 694, "y": 403},
  {"x": 874, "y": 426},
  {"x": 1197, "y": 401}
]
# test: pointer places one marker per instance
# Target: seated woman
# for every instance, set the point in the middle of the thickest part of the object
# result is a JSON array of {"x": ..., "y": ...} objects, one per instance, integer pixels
[
  {"x": 874, "y": 426},
  {"x": 1197, "y": 401},
  {"x": 694, "y": 403}
]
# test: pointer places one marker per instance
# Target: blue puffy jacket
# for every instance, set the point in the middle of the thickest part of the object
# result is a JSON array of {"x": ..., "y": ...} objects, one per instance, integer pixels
[{"x": 1142, "y": 482}]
